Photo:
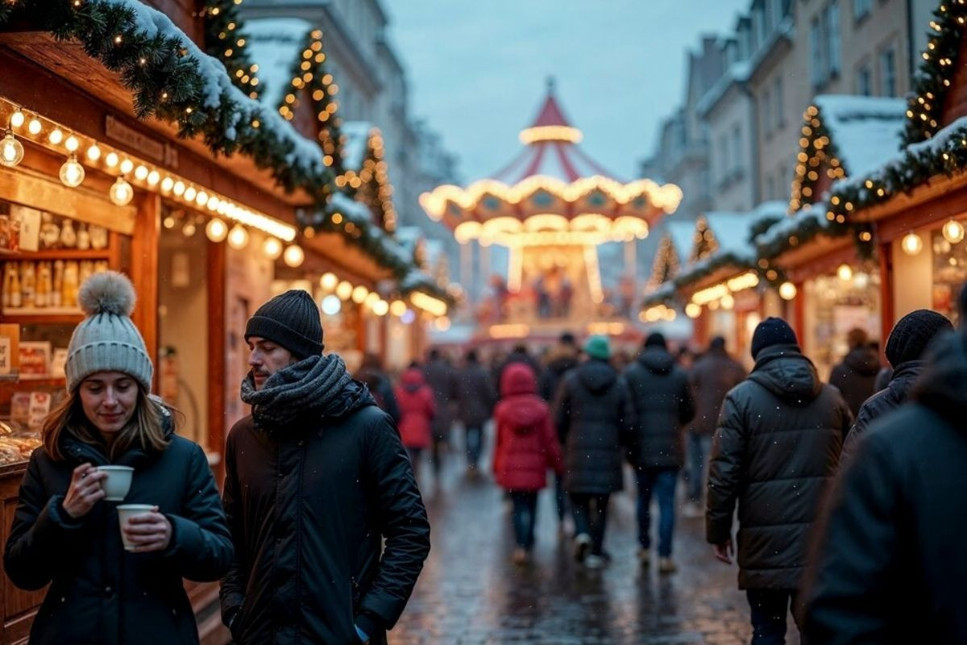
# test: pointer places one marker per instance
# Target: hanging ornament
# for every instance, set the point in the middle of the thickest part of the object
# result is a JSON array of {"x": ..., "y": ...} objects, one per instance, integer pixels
[
  {"x": 121, "y": 192},
  {"x": 11, "y": 150},
  {"x": 72, "y": 172}
]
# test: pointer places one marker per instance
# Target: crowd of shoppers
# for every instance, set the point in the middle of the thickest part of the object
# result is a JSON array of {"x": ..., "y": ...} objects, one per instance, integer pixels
[{"x": 849, "y": 501}]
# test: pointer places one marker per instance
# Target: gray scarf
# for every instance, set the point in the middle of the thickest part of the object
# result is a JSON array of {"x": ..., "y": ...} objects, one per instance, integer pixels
[{"x": 318, "y": 386}]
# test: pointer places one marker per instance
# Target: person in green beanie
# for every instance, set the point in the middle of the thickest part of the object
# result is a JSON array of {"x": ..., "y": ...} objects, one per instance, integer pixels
[{"x": 594, "y": 419}]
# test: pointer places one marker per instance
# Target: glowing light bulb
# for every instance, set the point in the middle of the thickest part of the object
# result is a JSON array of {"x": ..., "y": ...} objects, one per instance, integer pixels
[
  {"x": 72, "y": 144},
  {"x": 17, "y": 119},
  {"x": 72, "y": 173},
  {"x": 188, "y": 229},
  {"x": 693, "y": 310},
  {"x": 344, "y": 290},
  {"x": 328, "y": 281},
  {"x": 397, "y": 308},
  {"x": 359, "y": 294},
  {"x": 56, "y": 136},
  {"x": 153, "y": 178},
  {"x": 380, "y": 307},
  {"x": 190, "y": 193},
  {"x": 121, "y": 192},
  {"x": 845, "y": 272},
  {"x": 127, "y": 166},
  {"x": 111, "y": 160},
  {"x": 331, "y": 305},
  {"x": 272, "y": 248},
  {"x": 216, "y": 230},
  {"x": 238, "y": 237},
  {"x": 293, "y": 256},
  {"x": 179, "y": 188},
  {"x": 11, "y": 150},
  {"x": 141, "y": 173},
  {"x": 953, "y": 231},
  {"x": 167, "y": 184},
  {"x": 93, "y": 153},
  {"x": 911, "y": 244},
  {"x": 787, "y": 291},
  {"x": 34, "y": 127}
]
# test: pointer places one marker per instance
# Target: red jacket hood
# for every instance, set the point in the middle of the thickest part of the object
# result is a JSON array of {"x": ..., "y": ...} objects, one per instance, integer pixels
[
  {"x": 518, "y": 378},
  {"x": 412, "y": 379}
]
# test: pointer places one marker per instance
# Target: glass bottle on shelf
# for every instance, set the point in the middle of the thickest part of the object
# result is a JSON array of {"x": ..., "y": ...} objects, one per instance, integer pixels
[
  {"x": 7, "y": 283},
  {"x": 70, "y": 284},
  {"x": 86, "y": 270},
  {"x": 16, "y": 300},
  {"x": 57, "y": 285},
  {"x": 44, "y": 285},
  {"x": 83, "y": 238},
  {"x": 28, "y": 283},
  {"x": 68, "y": 237}
]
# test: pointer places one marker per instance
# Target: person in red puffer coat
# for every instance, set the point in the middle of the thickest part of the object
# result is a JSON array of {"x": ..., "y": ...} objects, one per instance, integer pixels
[
  {"x": 526, "y": 448},
  {"x": 417, "y": 409}
]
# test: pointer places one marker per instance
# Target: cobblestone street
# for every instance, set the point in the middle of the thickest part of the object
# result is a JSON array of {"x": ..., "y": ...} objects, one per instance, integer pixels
[{"x": 470, "y": 593}]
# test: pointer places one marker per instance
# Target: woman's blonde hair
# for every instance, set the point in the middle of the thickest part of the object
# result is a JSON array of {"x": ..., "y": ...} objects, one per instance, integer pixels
[{"x": 146, "y": 430}]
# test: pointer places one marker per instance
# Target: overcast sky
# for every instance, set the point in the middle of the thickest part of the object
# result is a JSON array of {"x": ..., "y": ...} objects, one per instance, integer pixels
[{"x": 477, "y": 68}]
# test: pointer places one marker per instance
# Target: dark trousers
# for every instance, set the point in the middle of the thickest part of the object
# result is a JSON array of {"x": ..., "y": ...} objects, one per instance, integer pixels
[
  {"x": 474, "y": 444},
  {"x": 591, "y": 517},
  {"x": 699, "y": 446},
  {"x": 560, "y": 497},
  {"x": 662, "y": 481},
  {"x": 524, "y": 516},
  {"x": 769, "y": 609}
]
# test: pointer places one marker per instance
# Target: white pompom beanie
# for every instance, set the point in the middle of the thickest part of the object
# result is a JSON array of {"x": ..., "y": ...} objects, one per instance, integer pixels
[{"x": 107, "y": 340}]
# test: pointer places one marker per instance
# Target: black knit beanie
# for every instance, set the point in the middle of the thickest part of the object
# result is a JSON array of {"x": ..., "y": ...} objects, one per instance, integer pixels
[
  {"x": 290, "y": 319},
  {"x": 772, "y": 331},
  {"x": 656, "y": 339},
  {"x": 912, "y": 334}
]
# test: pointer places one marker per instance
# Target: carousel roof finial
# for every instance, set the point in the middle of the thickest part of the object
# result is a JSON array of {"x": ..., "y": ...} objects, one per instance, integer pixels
[{"x": 550, "y": 124}]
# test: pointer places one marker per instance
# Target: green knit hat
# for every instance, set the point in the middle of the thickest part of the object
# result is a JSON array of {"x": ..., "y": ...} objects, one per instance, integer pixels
[
  {"x": 107, "y": 340},
  {"x": 598, "y": 347}
]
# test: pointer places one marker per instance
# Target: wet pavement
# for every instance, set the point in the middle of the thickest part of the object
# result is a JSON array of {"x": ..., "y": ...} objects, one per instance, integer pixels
[{"x": 471, "y": 593}]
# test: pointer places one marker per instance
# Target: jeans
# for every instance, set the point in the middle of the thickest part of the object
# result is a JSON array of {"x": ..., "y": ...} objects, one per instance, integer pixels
[
  {"x": 474, "y": 439},
  {"x": 699, "y": 446},
  {"x": 560, "y": 497},
  {"x": 524, "y": 516},
  {"x": 769, "y": 607},
  {"x": 590, "y": 517},
  {"x": 662, "y": 481}
]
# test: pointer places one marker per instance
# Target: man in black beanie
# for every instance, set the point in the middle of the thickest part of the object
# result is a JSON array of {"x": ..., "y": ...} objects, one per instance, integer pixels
[
  {"x": 775, "y": 451},
  {"x": 329, "y": 528},
  {"x": 904, "y": 349}
]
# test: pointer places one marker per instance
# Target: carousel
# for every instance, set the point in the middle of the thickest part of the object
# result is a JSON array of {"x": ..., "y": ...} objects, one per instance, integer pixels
[{"x": 554, "y": 209}]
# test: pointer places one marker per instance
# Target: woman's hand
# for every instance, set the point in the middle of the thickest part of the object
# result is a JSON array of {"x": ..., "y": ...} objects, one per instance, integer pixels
[
  {"x": 148, "y": 531},
  {"x": 86, "y": 489}
]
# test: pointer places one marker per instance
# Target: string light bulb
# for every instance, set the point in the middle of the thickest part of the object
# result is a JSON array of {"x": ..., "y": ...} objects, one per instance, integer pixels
[
  {"x": 121, "y": 192},
  {"x": 216, "y": 230},
  {"x": 693, "y": 310},
  {"x": 11, "y": 150},
  {"x": 328, "y": 281},
  {"x": 72, "y": 172},
  {"x": 953, "y": 231},
  {"x": 34, "y": 127},
  {"x": 293, "y": 256},
  {"x": 359, "y": 294},
  {"x": 17, "y": 119},
  {"x": 844, "y": 272},
  {"x": 911, "y": 243},
  {"x": 238, "y": 237},
  {"x": 272, "y": 248},
  {"x": 787, "y": 291},
  {"x": 344, "y": 290}
]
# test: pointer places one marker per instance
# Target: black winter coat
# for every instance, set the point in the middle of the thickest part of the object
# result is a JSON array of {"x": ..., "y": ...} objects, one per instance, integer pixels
[
  {"x": 475, "y": 394},
  {"x": 561, "y": 361},
  {"x": 711, "y": 377},
  {"x": 775, "y": 451},
  {"x": 382, "y": 391},
  {"x": 893, "y": 564},
  {"x": 855, "y": 377},
  {"x": 99, "y": 593},
  {"x": 663, "y": 405},
  {"x": 882, "y": 403},
  {"x": 594, "y": 419},
  {"x": 308, "y": 514}
]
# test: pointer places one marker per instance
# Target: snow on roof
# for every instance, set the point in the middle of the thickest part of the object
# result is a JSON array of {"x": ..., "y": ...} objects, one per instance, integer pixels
[
  {"x": 355, "y": 142},
  {"x": 216, "y": 85},
  {"x": 866, "y": 130},
  {"x": 736, "y": 73},
  {"x": 275, "y": 44},
  {"x": 732, "y": 230}
]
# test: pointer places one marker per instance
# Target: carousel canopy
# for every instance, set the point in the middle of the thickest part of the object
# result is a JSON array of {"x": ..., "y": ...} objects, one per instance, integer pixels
[{"x": 551, "y": 193}]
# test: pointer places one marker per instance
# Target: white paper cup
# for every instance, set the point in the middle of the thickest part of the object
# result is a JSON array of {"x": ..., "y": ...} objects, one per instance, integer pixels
[
  {"x": 118, "y": 482},
  {"x": 126, "y": 512}
]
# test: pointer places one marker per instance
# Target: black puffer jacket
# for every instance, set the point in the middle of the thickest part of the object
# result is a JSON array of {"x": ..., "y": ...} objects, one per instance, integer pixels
[
  {"x": 100, "y": 593},
  {"x": 561, "y": 361},
  {"x": 775, "y": 451},
  {"x": 308, "y": 513},
  {"x": 442, "y": 379},
  {"x": 855, "y": 377},
  {"x": 892, "y": 566},
  {"x": 594, "y": 419},
  {"x": 663, "y": 405},
  {"x": 882, "y": 403},
  {"x": 475, "y": 394}
]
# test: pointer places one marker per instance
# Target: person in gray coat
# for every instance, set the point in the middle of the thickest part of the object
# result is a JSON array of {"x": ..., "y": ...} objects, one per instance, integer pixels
[
  {"x": 663, "y": 405},
  {"x": 476, "y": 396},
  {"x": 775, "y": 452},
  {"x": 594, "y": 416},
  {"x": 442, "y": 379}
]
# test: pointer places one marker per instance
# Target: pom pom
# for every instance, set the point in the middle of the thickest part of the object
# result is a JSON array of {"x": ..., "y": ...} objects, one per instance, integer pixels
[{"x": 108, "y": 292}]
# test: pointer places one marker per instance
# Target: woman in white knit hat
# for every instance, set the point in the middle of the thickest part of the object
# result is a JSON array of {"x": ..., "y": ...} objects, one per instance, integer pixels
[{"x": 66, "y": 534}]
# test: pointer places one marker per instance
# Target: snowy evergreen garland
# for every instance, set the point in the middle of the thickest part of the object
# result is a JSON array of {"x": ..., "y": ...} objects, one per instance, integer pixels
[{"x": 225, "y": 40}]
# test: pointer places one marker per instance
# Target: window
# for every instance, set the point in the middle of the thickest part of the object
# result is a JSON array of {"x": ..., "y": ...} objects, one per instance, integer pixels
[
  {"x": 861, "y": 9},
  {"x": 833, "y": 38},
  {"x": 888, "y": 72},
  {"x": 766, "y": 103},
  {"x": 818, "y": 72},
  {"x": 780, "y": 104},
  {"x": 825, "y": 45},
  {"x": 864, "y": 81},
  {"x": 737, "y": 149}
]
